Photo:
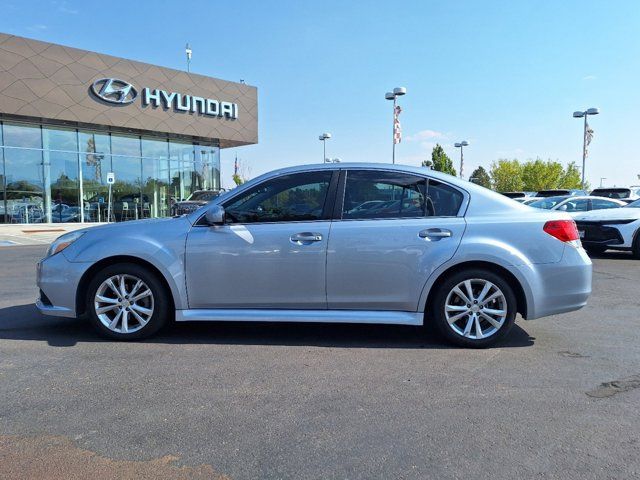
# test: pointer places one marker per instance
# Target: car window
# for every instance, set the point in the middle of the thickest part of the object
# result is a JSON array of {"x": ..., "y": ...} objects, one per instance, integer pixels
[
  {"x": 576, "y": 205},
  {"x": 288, "y": 198},
  {"x": 547, "y": 203},
  {"x": 375, "y": 194},
  {"x": 598, "y": 204}
]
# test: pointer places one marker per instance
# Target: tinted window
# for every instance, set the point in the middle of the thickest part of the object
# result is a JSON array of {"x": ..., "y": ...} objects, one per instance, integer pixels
[
  {"x": 372, "y": 194},
  {"x": 612, "y": 192},
  {"x": 289, "y": 198},
  {"x": 576, "y": 205},
  {"x": 547, "y": 203},
  {"x": 597, "y": 204}
]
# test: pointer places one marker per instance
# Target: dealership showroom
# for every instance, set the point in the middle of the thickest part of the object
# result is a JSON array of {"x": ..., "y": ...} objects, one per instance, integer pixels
[{"x": 76, "y": 124}]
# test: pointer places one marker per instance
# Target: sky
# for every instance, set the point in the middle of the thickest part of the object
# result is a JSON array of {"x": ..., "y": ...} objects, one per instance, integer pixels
[{"x": 505, "y": 76}]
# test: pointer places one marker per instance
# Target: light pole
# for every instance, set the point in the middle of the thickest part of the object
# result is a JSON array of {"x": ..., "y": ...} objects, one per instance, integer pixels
[
  {"x": 332, "y": 160},
  {"x": 585, "y": 114},
  {"x": 323, "y": 138},
  {"x": 187, "y": 50},
  {"x": 601, "y": 179},
  {"x": 397, "y": 92},
  {"x": 461, "y": 146}
]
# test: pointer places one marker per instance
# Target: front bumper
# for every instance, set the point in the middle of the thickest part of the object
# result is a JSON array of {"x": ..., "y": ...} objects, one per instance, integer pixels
[
  {"x": 58, "y": 280},
  {"x": 600, "y": 234}
]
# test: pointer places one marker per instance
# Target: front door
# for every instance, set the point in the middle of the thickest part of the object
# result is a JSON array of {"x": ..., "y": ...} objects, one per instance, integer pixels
[
  {"x": 395, "y": 230},
  {"x": 271, "y": 253}
]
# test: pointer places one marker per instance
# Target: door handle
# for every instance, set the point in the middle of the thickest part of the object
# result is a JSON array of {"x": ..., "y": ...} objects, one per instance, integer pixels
[
  {"x": 305, "y": 237},
  {"x": 435, "y": 233}
]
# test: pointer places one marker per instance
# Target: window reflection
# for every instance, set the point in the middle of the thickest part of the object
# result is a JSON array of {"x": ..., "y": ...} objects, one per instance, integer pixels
[{"x": 51, "y": 174}]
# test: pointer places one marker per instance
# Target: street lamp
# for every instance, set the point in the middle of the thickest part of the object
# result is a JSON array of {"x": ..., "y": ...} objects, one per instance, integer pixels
[
  {"x": 461, "y": 146},
  {"x": 397, "y": 92},
  {"x": 601, "y": 179},
  {"x": 585, "y": 114},
  {"x": 323, "y": 138},
  {"x": 332, "y": 160}
]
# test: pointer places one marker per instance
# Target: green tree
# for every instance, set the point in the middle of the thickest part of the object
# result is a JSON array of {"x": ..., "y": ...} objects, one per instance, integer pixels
[
  {"x": 541, "y": 175},
  {"x": 571, "y": 177},
  {"x": 481, "y": 177},
  {"x": 506, "y": 175},
  {"x": 441, "y": 161},
  {"x": 237, "y": 179}
]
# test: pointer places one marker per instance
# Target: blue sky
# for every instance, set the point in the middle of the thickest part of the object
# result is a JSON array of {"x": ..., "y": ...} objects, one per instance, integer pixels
[{"x": 505, "y": 76}]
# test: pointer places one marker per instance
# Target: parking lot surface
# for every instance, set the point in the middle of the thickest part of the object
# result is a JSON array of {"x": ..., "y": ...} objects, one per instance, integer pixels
[{"x": 559, "y": 398}]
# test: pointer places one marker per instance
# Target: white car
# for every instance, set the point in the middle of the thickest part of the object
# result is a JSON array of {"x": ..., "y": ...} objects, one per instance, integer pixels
[
  {"x": 575, "y": 205},
  {"x": 616, "y": 229}
]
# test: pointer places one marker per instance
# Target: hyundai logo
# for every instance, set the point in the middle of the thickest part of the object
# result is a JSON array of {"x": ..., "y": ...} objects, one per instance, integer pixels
[{"x": 113, "y": 90}]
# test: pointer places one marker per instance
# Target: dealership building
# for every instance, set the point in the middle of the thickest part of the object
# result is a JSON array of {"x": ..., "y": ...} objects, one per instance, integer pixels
[{"x": 84, "y": 134}]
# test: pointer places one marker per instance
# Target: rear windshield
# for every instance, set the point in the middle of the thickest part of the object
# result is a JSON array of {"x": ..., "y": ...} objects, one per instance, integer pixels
[
  {"x": 612, "y": 192},
  {"x": 203, "y": 196}
]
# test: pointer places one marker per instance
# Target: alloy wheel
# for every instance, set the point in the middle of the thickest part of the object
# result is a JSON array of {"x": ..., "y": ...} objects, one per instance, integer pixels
[
  {"x": 476, "y": 309},
  {"x": 124, "y": 303}
]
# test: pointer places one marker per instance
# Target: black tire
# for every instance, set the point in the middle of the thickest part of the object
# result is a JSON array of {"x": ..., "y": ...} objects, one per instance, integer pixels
[
  {"x": 595, "y": 250},
  {"x": 438, "y": 315},
  {"x": 160, "y": 298},
  {"x": 636, "y": 246}
]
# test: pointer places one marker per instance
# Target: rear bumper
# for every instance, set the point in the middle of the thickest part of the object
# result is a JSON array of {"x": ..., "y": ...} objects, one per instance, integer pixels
[{"x": 559, "y": 287}]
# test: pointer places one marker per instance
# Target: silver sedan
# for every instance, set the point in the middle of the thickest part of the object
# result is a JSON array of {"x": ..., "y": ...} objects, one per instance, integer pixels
[{"x": 353, "y": 243}]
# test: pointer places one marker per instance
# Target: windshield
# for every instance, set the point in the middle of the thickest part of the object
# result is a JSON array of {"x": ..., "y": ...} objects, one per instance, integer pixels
[
  {"x": 612, "y": 192},
  {"x": 635, "y": 204},
  {"x": 203, "y": 196},
  {"x": 547, "y": 203}
]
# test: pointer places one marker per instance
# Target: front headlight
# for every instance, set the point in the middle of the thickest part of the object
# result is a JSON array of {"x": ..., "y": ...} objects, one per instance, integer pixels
[{"x": 62, "y": 242}]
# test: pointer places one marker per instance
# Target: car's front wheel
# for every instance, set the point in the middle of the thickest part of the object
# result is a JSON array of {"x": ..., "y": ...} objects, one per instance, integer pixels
[
  {"x": 474, "y": 308},
  {"x": 127, "y": 302}
]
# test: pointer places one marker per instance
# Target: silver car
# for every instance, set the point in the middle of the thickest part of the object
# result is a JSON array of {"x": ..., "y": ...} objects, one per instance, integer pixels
[{"x": 294, "y": 246}]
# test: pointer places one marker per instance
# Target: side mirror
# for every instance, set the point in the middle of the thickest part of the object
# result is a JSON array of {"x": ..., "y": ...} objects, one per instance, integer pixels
[{"x": 215, "y": 215}]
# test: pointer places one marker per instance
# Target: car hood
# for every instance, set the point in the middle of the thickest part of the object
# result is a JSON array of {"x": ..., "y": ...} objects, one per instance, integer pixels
[{"x": 622, "y": 213}]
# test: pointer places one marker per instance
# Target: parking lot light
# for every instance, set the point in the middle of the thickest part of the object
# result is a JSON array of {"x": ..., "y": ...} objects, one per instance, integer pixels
[
  {"x": 397, "y": 92},
  {"x": 461, "y": 146},
  {"x": 584, "y": 114},
  {"x": 323, "y": 138}
]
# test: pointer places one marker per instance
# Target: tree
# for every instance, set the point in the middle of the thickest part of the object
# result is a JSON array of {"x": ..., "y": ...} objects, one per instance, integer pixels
[
  {"x": 540, "y": 175},
  {"x": 571, "y": 177},
  {"x": 481, "y": 177},
  {"x": 506, "y": 175},
  {"x": 441, "y": 161}
]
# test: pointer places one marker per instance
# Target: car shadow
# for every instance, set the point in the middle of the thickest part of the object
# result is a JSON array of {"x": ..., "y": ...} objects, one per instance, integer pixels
[{"x": 25, "y": 322}]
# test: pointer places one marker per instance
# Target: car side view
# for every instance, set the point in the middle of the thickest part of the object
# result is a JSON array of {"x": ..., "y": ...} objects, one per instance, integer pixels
[{"x": 335, "y": 243}]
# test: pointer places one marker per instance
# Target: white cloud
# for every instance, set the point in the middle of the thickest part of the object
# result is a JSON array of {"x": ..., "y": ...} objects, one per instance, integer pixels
[
  {"x": 589, "y": 77},
  {"x": 37, "y": 28},
  {"x": 424, "y": 135},
  {"x": 64, "y": 7}
]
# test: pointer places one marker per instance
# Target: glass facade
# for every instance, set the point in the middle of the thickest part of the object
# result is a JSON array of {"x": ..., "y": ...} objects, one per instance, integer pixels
[{"x": 50, "y": 174}]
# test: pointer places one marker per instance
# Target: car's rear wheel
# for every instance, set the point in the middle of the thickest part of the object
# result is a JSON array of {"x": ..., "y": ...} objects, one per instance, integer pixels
[
  {"x": 127, "y": 302},
  {"x": 474, "y": 308}
]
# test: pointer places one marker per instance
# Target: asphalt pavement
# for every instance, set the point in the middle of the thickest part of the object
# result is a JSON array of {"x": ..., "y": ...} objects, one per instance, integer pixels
[{"x": 559, "y": 398}]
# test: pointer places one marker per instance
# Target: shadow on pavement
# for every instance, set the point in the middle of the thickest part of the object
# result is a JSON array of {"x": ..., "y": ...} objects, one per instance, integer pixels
[
  {"x": 24, "y": 322},
  {"x": 612, "y": 255}
]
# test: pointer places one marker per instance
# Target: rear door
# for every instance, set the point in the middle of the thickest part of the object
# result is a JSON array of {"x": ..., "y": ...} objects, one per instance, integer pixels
[{"x": 380, "y": 257}]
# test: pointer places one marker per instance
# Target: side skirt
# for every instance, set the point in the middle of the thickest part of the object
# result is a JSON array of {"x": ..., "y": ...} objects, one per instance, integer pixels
[{"x": 318, "y": 316}]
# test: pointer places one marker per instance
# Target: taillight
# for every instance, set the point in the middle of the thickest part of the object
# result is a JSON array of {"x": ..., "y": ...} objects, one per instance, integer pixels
[{"x": 563, "y": 230}]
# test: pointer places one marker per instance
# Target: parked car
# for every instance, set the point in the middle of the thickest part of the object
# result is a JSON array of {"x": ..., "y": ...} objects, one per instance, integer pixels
[
  {"x": 196, "y": 200},
  {"x": 560, "y": 192},
  {"x": 514, "y": 195},
  {"x": 627, "y": 194},
  {"x": 574, "y": 205},
  {"x": 616, "y": 229},
  {"x": 448, "y": 253}
]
